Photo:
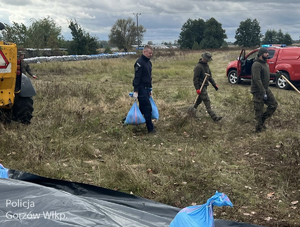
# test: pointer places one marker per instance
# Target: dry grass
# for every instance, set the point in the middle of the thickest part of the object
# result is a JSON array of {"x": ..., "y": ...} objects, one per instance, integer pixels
[{"x": 77, "y": 135}]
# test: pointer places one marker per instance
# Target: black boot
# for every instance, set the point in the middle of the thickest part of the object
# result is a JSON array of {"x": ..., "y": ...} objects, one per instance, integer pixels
[
  {"x": 216, "y": 119},
  {"x": 259, "y": 128},
  {"x": 263, "y": 123}
]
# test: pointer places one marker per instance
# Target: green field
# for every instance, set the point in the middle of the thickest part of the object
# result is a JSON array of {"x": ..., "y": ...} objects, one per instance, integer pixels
[{"x": 77, "y": 135}]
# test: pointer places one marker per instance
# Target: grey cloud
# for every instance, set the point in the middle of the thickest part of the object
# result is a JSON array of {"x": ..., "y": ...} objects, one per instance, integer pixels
[
  {"x": 249, "y": 1},
  {"x": 16, "y": 2},
  {"x": 163, "y": 19}
]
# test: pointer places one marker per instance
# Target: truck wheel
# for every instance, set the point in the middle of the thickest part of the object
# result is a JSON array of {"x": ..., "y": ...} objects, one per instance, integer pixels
[
  {"x": 282, "y": 83},
  {"x": 233, "y": 78},
  {"x": 22, "y": 109}
]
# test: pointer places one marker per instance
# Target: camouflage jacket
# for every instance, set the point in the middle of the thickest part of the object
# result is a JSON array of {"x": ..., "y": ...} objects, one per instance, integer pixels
[
  {"x": 26, "y": 68},
  {"x": 260, "y": 76},
  {"x": 199, "y": 74}
]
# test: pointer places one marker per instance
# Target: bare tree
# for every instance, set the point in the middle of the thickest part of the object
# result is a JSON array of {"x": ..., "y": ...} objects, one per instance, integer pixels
[{"x": 124, "y": 34}]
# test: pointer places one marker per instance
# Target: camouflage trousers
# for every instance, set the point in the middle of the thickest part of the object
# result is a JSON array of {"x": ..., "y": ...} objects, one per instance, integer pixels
[
  {"x": 260, "y": 115},
  {"x": 204, "y": 97}
]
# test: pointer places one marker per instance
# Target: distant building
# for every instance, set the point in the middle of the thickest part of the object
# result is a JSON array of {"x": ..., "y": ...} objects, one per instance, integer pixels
[
  {"x": 155, "y": 46},
  {"x": 160, "y": 46}
]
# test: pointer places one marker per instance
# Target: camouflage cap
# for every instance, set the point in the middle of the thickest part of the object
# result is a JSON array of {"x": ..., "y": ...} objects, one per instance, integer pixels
[
  {"x": 207, "y": 56},
  {"x": 21, "y": 53}
]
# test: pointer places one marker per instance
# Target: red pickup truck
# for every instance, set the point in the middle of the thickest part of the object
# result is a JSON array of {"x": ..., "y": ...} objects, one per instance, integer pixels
[{"x": 284, "y": 59}]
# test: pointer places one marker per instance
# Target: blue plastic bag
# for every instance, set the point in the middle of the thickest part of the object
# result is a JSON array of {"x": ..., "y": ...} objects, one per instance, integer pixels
[
  {"x": 155, "y": 114},
  {"x": 200, "y": 215},
  {"x": 3, "y": 172},
  {"x": 134, "y": 116}
]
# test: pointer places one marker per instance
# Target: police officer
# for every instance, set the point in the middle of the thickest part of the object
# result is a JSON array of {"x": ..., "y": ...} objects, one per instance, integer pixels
[
  {"x": 200, "y": 71},
  {"x": 260, "y": 90},
  {"x": 25, "y": 66},
  {"x": 142, "y": 84}
]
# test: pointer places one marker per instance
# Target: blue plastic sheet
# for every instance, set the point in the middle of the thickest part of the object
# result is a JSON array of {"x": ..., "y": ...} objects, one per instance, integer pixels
[
  {"x": 134, "y": 116},
  {"x": 60, "y": 203},
  {"x": 155, "y": 114},
  {"x": 3, "y": 172},
  {"x": 200, "y": 215}
]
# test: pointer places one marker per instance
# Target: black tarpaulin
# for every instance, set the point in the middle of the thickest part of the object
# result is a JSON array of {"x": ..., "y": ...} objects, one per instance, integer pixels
[{"x": 31, "y": 200}]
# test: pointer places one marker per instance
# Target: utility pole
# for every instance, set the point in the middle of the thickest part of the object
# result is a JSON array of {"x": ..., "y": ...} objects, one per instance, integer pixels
[{"x": 137, "y": 26}]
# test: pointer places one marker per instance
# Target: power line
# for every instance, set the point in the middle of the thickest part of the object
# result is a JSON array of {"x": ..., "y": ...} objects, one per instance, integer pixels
[{"x": 137, "y": 26}]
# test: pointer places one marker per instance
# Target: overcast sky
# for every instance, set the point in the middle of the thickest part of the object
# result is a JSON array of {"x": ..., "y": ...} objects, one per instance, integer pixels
[{"x": 163, "y": 19}]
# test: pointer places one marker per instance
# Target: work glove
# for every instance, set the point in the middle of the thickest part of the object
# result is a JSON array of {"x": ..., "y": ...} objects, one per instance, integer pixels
[
  {"x": 265, "y": 97},
  {"x": 34, "y": 77},
  {"x": 278, "y": 74},
  {"x": 198, "y": 91},
  {"x": 216, "y": 87},
  {"x": 135, "y": 95}
]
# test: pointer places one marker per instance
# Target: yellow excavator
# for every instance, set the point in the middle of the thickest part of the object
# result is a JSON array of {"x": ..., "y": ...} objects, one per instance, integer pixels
[{"x": 16, "y": 89}]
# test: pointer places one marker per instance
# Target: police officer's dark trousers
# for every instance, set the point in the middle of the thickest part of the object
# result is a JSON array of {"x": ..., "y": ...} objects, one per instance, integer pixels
[
  {"x": 260, "y": 115},
  {"x": 145, "y": 106}
]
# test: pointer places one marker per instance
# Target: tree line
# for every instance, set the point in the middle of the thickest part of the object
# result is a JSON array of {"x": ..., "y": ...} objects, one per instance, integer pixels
[
  {"x": 195, "y": 34},
  {"x": 200, "y": 34},
  {"x": 45, "y": 33}
]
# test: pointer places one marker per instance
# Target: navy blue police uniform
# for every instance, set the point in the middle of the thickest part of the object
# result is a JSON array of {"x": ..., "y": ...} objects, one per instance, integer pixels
[{"x": 142, "y": 84}]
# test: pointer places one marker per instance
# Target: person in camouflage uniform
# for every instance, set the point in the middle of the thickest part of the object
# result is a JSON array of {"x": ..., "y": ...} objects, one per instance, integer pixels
[
  {"x": 200, "y": 70},
  {"x": 260, "y": 90},
  {"x": 25, "y": 66}
]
